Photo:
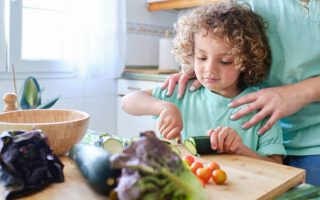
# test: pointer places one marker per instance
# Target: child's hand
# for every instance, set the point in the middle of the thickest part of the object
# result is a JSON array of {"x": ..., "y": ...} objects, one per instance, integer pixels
[
  {"x": 170, "y": 122},
  {"x": 225, "y": 140}
]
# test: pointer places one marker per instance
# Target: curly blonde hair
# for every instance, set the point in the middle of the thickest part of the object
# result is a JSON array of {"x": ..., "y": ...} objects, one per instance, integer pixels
[{"x": 236, "y": 24}]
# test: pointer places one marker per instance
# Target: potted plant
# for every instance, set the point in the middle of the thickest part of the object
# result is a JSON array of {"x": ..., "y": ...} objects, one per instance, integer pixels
[{"x": 31, "y": 96}]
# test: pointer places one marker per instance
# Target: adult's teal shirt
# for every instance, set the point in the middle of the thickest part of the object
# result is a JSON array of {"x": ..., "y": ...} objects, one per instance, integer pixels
[
  {"x": 294, "y": 38},
  {"x": 203, "y": 110}
]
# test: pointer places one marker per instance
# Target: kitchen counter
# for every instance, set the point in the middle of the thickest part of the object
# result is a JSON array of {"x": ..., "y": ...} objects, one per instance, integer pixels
[
  {"x": 144, "y": 76},
  {"x": 146, "y": 73}
]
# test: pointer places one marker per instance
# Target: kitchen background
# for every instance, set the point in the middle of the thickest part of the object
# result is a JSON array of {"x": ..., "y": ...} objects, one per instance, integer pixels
[{"x": 99, "y": 96}]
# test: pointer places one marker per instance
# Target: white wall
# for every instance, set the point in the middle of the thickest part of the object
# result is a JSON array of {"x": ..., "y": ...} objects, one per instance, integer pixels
[
  {"x": 94, "y": 96},
  {"x": 144, "y": 31},
  {"x": 98, "y": 96}
]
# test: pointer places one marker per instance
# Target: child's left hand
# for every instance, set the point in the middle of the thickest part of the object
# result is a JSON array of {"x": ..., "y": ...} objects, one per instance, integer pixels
[{"x": 225, "y": 139}]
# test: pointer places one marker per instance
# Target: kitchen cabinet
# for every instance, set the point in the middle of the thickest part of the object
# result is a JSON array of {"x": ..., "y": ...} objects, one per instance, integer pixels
[
  {"x": 177, "y": 4},
  {"x": 128, "y": 125}
]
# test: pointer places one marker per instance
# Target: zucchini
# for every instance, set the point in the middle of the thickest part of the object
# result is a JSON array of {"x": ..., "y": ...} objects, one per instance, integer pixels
[
  {"x": 176, "y": 150},
  {"x": 190, "y": 146},
  {"x": 199, "y": 145},
  {"x": 94, "y": 164},
  {"x": 112, "y": 145}
]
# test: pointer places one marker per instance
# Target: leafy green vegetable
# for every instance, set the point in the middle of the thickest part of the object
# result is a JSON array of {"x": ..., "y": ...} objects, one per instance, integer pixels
[
  {"x": 31, "y": 96},
  {"x": 151, "y": 170}
]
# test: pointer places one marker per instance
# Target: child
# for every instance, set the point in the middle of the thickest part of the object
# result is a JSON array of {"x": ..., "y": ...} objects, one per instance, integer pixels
[{"x": 227, "y": 47}]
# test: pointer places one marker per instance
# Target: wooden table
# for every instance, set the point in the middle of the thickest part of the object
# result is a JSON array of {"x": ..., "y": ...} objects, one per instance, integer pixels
[
  {"x": 247, "y": 179},
  {"x": 73, "y": 188}
]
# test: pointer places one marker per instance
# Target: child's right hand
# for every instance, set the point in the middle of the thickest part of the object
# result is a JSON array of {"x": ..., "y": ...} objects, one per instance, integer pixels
[{"x": 170, "y": 122}]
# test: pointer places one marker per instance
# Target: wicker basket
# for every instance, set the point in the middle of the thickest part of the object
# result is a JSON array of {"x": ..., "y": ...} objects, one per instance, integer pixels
[{"x": 64, "y": 128}]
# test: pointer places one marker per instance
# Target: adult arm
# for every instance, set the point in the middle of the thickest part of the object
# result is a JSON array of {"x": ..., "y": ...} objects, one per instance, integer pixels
[
  {"x": 277, "y": 102},
  {"x": 142, "y": 103},
  {"x": 182, "y": 79}
]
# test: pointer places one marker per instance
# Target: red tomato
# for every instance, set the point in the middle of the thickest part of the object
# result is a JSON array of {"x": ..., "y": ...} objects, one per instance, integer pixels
[
  {"x": 213, "y": 166},
  {"x": 204, "y": 174},
  {"x": 196, "y": 165},
  {"x": 202, "y": 182},
  {"x": 189, "y": 159},
  {"x": 219, "y": 176}
]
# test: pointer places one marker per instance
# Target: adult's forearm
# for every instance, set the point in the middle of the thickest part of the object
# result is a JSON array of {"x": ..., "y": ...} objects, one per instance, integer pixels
[
  {"x": 141, "y": 103},
  {"x": 310, "y": 89}
]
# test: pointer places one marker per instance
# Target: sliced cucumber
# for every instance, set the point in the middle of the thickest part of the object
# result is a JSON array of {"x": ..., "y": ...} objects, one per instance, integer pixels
[
  {"x": 168, "y": 142},
  {"x": 176, "y": 150},
  {"x": 190, "y": 146},
  {"x": 135, "y": 138},
  {"x": 112, "y": 145}
]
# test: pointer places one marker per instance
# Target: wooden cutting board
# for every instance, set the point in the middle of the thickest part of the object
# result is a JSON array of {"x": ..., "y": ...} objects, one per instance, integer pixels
[{"x": 247, "y": 179}]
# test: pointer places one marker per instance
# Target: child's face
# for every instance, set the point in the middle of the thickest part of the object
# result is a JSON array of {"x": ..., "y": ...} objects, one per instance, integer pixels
[{"x": 214, "y": 66}]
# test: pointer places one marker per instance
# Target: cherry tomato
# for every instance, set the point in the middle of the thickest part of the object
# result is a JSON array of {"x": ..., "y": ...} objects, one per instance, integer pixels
[
  {"x": 196, "y": 165},
  {"x": 213, "y": 166},
  {"x": 189, "y": 159},
  {"x": 204, "y": 174},
  {"x": 219, "y": 176},
  {"x": 202, "y": 182}
]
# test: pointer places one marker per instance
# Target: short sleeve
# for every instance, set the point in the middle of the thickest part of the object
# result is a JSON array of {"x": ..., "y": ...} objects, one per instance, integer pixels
[{"x": 271, "y": 142}]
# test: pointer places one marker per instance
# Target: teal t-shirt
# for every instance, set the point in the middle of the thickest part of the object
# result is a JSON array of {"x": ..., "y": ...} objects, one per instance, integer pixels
[
  {"x": 203, "y": 110},
  {"x": 294, "y": 37}
]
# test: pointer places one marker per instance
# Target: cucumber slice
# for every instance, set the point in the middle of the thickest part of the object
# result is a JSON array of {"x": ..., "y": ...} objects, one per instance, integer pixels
[
  {"x": 135, "y": 138},
  {"x": 112, "y": 145},
  {"x": 190, "y": 146},
  {"x": 168, "y": 142},
  {"x": 176, "y": 150}
]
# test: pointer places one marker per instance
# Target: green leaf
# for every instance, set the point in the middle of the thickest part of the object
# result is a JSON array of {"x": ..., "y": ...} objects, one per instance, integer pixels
[
  {"x": 39, "y": 96},
  {"x": 188, "y": 183},
  {"x": 48, "y": 104},
  {"x": 30, "y": 92}
]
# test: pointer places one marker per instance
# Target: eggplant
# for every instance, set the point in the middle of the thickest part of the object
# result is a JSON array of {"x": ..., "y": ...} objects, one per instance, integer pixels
[{"x": 94, "y": 164}]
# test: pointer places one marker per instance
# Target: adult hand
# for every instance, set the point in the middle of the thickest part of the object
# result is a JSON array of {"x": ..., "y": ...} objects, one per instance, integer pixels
[
  {"x": 170, "y": 122},
  {"x": 276, "y": 103},
  {"x": 181, "y": 79},
  {"x": 225, "y": 140}
]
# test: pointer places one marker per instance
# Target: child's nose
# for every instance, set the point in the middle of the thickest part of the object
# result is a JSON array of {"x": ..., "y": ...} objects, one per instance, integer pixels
[{"x": 211, "y": 67}]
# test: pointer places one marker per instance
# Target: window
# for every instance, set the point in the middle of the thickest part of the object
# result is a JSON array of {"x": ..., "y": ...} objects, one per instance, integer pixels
[
  {"x": 39, "y": 37},
  {"x": 3, "y": 48}
]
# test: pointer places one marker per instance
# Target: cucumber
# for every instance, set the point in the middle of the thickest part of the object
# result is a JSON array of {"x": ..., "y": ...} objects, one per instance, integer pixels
[
  {"x": 94, "y": 164},
  {"x": 199, "y": 145},
  {"x": 176, "y": 150},
  {"x": 135, "y": 138},
  {"x": 112, "y": 145},
  {"x": 168, "y": 142},
  {"x": 191, "y": 147}
]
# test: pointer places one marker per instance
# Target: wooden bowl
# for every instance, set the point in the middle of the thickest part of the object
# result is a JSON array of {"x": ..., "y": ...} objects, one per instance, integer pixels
[{"x": 64, "y": 128}]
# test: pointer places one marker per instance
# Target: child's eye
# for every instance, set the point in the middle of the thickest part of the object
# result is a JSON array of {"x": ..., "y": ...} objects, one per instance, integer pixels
[
  {"x": 201, "y": 58},
  {"x": 225, "y": 62}
]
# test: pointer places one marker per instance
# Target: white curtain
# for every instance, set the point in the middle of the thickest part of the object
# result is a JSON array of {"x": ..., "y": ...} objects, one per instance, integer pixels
[
  {"x": 2, "y": 38},
  {"x": 99, "y": 28}
]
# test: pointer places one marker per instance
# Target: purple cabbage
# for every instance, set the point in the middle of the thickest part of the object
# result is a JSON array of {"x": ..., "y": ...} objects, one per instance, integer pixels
[{"x": 27, "y": 163}]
